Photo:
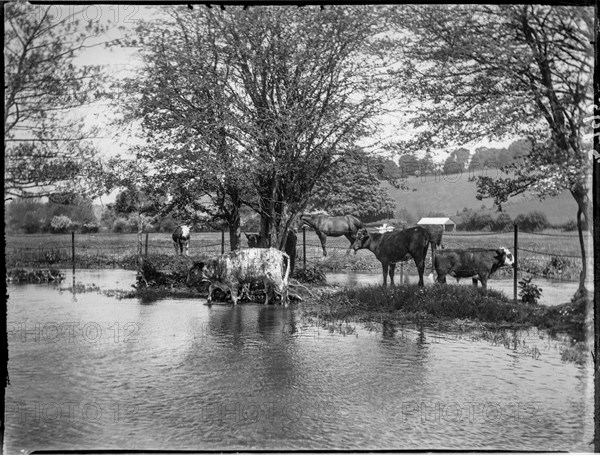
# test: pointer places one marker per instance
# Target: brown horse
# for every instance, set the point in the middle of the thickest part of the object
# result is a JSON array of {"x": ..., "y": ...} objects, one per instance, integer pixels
[{"x": 333, "y": 226}]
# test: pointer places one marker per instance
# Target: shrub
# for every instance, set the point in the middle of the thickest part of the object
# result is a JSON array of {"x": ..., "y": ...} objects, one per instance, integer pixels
[
  {"x": 529, "y": 292},
  {"x": 310, "y": 275},
  {"x": 120, "y": 225},
  {"x": 61, "y": 224},
  {"x": 51, "y": 256},
  {"x": 570, "y": 225},
  {"x": 503, "y": 222},
  {"x": 475, "y": 221},
  {"x": 90, "y": 228},
  {"x": 532, "y": 221},
  {"x": 31, "y": 224}
]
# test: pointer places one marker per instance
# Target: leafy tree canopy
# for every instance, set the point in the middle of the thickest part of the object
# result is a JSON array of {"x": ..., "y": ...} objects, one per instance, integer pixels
[
  {"x": 354, "y": 188},
  {"x": 255, "y": 106},
  {"x": 505, "y": 70},
  {"x": 47, "y": 147}
]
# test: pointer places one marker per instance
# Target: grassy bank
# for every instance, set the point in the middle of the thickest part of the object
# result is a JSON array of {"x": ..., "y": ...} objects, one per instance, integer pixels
[{"x": 441, "y": 304}]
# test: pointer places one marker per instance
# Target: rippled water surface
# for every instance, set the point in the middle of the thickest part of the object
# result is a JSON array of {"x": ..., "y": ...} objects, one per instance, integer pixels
[{"x": 90, "y": 371}]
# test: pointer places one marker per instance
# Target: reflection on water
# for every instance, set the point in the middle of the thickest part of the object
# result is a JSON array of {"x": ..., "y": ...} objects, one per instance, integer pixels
[
  {"x": 177, "y": 374},
  {"x": 554, "y": 292}
]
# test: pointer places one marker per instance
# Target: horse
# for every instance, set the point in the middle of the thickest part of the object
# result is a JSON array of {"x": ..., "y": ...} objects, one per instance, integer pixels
[{"x": 333, "y": 226}]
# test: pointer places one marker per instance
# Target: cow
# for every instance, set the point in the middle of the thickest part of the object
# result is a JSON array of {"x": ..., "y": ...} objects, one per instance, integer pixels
[
  {"x": 332, "y": 226},
  {"x": 290, "y": 246},
  {"x": 181, "y": 239},
  {"x": 247, "y": 265},
  {"x": 393, "y": 247},
  {"x": 477, "y": 263}
]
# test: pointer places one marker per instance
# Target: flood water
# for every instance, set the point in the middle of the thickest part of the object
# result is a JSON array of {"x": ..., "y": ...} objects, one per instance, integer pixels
[{"x": 89, "y": 371}]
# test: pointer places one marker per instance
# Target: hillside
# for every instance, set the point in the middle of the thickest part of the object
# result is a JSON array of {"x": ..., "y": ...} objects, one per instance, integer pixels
[{"x": 450, "y": 197}]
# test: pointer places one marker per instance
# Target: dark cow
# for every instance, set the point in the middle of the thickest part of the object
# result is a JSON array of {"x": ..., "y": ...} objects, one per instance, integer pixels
[
  {"x": 475, "y": 262},
  {"x": 290, "y": 246},
  {"x": 244, "y": 266},
  {"x": 181, "y": 239},
  {"x": 392, "y": 247},
  {"x": 332, "y": 226},
  {"x": 436, "y": 233}
]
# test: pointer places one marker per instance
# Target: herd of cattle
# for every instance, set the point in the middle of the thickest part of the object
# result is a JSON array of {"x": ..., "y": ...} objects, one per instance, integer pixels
[{"x": 274, "y": 267}]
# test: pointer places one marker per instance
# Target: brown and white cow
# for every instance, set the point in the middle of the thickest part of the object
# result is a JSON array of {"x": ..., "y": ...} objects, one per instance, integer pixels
[
  {"x": 181, "y": 239},
  {"x": 290, "y": 246},
  {"x": 477, "y": 263},
  {"x": 393, "y": 247},
  {"x": 230, "y": 270}
]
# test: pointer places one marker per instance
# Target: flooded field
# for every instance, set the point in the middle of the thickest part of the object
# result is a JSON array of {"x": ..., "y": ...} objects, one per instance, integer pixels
[{"x": 89, "y": 371}]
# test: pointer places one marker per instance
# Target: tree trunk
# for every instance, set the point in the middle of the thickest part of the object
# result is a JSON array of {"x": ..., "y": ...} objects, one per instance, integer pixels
[
  {"x": 234, "y": 222},
  {"x": 582, "y": 215},
  {"x": 273, "y": 213},
  {"x": 235, "y": 231}
]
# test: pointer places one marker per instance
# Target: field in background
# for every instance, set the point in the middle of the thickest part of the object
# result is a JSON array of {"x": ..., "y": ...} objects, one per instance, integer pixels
[
  {"x": 549, "y": 254},
  {"x": 450, "y": 194},
  {"x": 549, "y": 241}
]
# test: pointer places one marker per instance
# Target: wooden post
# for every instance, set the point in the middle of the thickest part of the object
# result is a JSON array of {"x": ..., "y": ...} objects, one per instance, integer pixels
[
  {"x": 146, "y": 247},
  {"x": 73, "y": 251},
  {"x": 304, "y": 246},
  {"x": 222, "y": 241},
  {"x": 515, "y": 266},
  {"x": 402, "y": 273}
]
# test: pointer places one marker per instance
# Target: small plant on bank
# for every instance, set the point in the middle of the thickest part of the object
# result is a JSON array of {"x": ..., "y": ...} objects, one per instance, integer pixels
[
  {"x": 529, "y": 292},
  {"x": 51, "y": 256},
  {"x": 309, "y": 275}
]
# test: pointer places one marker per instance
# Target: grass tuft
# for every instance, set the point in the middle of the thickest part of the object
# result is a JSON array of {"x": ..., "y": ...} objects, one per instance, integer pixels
[{"x": 439, "y": 303}]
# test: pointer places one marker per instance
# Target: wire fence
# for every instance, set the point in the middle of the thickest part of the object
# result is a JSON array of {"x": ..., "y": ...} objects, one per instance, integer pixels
[{"x": 537, "y": 254}]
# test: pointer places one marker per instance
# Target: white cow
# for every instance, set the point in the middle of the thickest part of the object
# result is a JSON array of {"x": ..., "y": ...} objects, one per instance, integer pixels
[
  {"x": 230, "y": 270},
  {"x": 181, "y": 239}
]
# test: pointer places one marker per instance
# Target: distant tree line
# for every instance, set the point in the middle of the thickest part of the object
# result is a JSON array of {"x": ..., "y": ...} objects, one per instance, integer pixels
[
  {"x": 534, "y": 221},
  {"x": 458, "y": 161}
]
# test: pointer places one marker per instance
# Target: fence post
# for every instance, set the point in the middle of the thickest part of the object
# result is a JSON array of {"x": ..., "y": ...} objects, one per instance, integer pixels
[
  {"x": 222, "y": 241},
  {"x": 402, "y": 273},
  {"x": 73, "y": 251},
  {"x": 146, "y": 247},
  {"x": 515, "y": 266},
  {"x": 304, "y": 246}
]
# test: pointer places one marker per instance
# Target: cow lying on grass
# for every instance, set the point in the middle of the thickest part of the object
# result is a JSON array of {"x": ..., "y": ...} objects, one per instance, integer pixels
[
  {"x": 181, "y": 239},
  {"x": 228, "y": 271},
  {"x": 393, "y": 247},
  {"x": 476, "y": 262}
]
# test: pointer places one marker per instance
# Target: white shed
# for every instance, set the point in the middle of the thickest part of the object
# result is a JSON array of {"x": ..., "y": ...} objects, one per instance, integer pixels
[{"x": 447, "y": 224}]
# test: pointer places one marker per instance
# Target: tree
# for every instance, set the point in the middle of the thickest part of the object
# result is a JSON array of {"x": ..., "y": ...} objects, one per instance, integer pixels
[
  {"x": 254, "y": 106},
  {"x": 391, "y": 170},
  {"x": 409, "y": 165},
  {"x": 353, "y": 189},
  {"x": 507, "y": 70},
  {"x": 461, "y": 157},
  {"x": 46, "y": 144},
  {"x": 134, "y": 178}
]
